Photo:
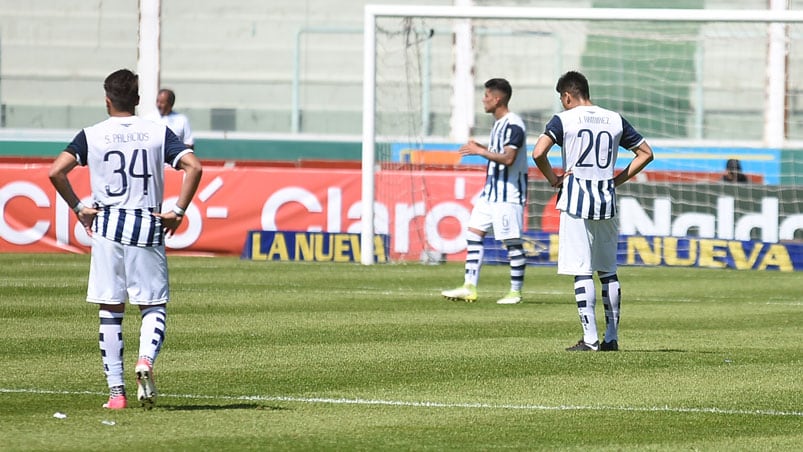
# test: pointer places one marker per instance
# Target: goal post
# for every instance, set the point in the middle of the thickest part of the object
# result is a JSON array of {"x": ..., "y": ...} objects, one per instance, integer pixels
[{"x": 405, "y": 77}]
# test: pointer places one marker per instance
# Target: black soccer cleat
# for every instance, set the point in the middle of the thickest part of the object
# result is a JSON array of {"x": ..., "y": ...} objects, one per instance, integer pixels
[{"x": 612, "y": 346}]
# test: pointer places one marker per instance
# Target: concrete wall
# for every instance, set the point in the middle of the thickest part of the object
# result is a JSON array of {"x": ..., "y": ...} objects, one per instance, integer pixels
[{"x": 234, "y": 63}]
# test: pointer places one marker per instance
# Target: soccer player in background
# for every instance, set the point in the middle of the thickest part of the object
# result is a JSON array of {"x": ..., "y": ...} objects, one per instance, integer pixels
[
  {"x": 500, "y": 207},
  {"x": 590, "y": 137},
  {"x": 178, "y": 122},
  {"x": 126, "y": 156}
]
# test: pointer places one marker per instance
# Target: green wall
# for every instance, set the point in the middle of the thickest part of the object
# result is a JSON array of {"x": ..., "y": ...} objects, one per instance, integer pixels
[
  {"x": 277, "y": 150},
  {"x": 31, "y": 148},
  {"x": 220, "y": 149},
  {"x": 792, "y": 167}
]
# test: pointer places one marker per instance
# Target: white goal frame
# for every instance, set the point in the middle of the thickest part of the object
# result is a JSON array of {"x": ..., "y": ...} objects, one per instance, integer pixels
[{"x": 774, "y": 109}]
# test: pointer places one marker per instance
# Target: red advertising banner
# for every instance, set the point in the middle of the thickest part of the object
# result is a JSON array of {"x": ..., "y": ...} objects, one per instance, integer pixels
[{"x": 234, "y": 200}]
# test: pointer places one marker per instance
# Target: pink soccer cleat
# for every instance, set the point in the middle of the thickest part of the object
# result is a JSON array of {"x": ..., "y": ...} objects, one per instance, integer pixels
[{"x": 116, "y": 403}]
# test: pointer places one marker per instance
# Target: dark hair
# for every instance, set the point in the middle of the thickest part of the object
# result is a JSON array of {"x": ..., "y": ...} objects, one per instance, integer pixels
[
  {"x": 122, "y": 89},
  {"x": 501, "y": 85},
  {"x": 575, "y": 84},
  {"x": 734, "y": 165},
  {"x": 171, "y": 96}
]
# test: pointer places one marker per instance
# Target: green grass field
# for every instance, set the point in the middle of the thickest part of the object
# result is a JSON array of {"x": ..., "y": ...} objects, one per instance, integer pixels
[{"x": 281, "y": 356}]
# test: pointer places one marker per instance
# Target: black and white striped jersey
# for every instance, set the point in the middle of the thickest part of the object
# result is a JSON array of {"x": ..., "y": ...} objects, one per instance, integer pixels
[
  {"x": 126, "y": 158},
  {"x": 507, "y": 183},
  {"x": 589, "y": 137}
]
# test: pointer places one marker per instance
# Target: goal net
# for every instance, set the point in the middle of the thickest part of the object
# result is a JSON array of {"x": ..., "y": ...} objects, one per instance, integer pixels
[{"x": 703, "y": 86}]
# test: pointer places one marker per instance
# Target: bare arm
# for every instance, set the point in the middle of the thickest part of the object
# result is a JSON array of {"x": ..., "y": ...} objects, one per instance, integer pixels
[
  {"x": 61, "y": 166},
  {"x": 643, "y": 157},
  {"x": 193, "y": 171},
  {"x": 506, "y": 157},
  {"x": 542, "y": 147}
]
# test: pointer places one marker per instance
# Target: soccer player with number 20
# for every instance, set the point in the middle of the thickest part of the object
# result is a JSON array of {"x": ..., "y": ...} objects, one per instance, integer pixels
[{"x": 590, "y": 137}]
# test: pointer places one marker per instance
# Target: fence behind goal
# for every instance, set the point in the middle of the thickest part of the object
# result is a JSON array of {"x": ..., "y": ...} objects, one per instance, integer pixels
[{"x": 703, "y": 86}]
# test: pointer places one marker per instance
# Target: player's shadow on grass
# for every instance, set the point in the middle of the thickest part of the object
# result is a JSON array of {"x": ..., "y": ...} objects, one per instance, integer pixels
[
  {"x": 669, "y": 350},
  {"x": 231, "y": 406},
  {"x": 654, "y": 350}
]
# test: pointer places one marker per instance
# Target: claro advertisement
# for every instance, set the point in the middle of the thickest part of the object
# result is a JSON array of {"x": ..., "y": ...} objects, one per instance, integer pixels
[{"x": 755, "y": 226}]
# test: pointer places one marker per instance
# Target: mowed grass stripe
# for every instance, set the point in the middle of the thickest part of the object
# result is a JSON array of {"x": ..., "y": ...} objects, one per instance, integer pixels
[
  {"x": 425, "y": 404},
  {"x": 316, "y": 356}
]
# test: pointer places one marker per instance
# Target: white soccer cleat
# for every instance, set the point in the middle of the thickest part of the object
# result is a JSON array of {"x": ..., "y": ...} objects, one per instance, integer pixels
[
  {"x": 467, "y": 293},
  {"x": 512, "y": 297},
  {"x": 146, "y": 389}
]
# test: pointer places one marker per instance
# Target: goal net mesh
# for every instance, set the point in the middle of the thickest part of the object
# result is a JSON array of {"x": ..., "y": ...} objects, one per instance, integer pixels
[{"x": 696, "y": 90}]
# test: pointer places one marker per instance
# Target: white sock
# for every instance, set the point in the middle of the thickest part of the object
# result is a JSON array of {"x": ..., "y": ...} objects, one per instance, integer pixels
[
  {"x": 152, "y": 332},
  {"x": 585, "y": 295},
  {"x": 611, "y": 298},
  {"x": 474, "y": 253},
  {"x": 111, "y": 346}
]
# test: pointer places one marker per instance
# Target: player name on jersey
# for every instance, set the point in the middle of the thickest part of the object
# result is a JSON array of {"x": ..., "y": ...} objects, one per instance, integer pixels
[{"x": 126, "y": 137}]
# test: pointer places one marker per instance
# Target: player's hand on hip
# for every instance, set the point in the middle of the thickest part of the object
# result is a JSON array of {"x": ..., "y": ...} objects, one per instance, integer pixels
[
  {"x": 86, "y": 216},
  {"x": 559, "y": 180},
  {"x": 170, "y": 221}
]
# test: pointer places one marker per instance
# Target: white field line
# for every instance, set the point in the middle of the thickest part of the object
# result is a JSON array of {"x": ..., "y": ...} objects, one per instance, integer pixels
[{"x": 467, "y": 405}]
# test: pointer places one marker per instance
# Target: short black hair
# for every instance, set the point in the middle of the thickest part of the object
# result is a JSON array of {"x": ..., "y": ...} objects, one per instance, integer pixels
[
  {"x": 501, "y": 85},
  {"x": 575, "y": 84},
  {"x": 122, "y": 89}
]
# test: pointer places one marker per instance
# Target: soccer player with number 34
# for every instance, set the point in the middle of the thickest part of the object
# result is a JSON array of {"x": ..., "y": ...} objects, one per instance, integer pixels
[
  {"x": 126, "y": 156},
  {"x": 590, "y": 137}
]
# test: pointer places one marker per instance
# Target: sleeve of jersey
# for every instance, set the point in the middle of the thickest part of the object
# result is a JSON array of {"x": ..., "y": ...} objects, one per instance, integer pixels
[
  {"x": 554, "y": 129},
  {"x": 174, "y": 148},
  {"x": 188, "y": 139},
  {"x": 515, "y": 136},
  {"x": 78, "y": 148},
  {"x": 631, "y": 139}
]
